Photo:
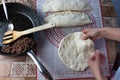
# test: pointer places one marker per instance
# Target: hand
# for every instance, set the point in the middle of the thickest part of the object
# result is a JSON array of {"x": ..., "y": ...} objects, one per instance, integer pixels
[
  {"x": 92, "y": 33},
  {"x": 95, "y": 60},
  {"x": 94, "y": 63}
]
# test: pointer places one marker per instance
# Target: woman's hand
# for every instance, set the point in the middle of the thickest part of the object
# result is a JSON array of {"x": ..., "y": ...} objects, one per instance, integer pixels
[
  {"x": 94, "y": 63},
  {"x": 96, "y": 60},
  {"x": 92, "y": 33}
]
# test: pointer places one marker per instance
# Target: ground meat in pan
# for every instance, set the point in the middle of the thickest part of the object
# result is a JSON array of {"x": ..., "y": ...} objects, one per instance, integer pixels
[{"x": 18, "y": 46}]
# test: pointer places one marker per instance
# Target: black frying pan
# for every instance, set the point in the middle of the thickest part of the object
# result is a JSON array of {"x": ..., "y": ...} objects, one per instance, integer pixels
[{"x": 22, "y": 18}]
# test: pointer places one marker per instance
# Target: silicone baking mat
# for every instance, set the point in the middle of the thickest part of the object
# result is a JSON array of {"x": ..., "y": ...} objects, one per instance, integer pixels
[{"x": 48, "y": 42}]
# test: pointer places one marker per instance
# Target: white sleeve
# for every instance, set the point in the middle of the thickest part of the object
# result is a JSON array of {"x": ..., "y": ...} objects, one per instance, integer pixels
[{"x": 117, "y": 75}]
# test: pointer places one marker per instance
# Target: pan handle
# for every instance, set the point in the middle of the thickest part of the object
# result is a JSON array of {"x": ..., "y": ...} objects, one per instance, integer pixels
[{"x": 40, "y": 66}]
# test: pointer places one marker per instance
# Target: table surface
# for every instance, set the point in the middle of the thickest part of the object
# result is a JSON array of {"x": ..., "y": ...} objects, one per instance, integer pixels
[{"x": 23, "y": 68}]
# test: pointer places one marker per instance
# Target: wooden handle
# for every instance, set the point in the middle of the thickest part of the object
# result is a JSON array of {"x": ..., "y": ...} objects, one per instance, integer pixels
[{"x": 39, "y": 28}]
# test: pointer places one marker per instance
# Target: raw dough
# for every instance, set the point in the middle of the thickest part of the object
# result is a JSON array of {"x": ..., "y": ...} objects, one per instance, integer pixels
[
  {"x": 65, "y": 5},
  {"x": 74, "y": 51},
  {"x": 68, "y": 19}
]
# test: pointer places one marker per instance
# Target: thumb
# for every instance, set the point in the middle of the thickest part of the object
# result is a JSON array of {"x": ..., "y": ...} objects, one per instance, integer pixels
[{"x": 84, "y": 36}]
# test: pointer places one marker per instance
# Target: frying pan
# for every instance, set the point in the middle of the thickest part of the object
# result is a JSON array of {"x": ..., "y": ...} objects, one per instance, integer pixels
[{"x": 22, "y": 18}]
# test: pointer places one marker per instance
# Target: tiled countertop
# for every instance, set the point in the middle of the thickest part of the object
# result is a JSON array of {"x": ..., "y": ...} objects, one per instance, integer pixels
[{"x": 23, "y": 68}]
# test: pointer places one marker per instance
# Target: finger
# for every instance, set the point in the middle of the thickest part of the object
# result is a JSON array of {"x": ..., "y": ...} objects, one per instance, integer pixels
[
  {"x": 99, "y": 56},
  {"x": 85, "y": 36},
  {"x": 97, "y": 53},
  {"x": 102, "y": 56},
  {"x": 85, "y": 31},
  {"x": 92, "y": 57}
]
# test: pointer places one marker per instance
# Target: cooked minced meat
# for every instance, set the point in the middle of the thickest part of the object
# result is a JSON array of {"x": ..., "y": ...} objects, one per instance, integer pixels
[{"x": 18, "y": 46}]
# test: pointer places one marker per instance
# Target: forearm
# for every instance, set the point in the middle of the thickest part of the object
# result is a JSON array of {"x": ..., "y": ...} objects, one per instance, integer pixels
[
  {"x": 111, "y": 33},
  {"x": 98, "y": 75}
]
